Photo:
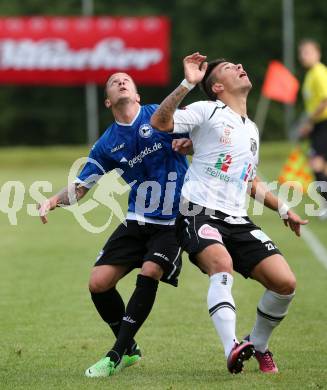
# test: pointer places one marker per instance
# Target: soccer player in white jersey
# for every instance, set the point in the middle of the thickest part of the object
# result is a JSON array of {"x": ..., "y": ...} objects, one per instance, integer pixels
[{"x": 217, "y": 233}]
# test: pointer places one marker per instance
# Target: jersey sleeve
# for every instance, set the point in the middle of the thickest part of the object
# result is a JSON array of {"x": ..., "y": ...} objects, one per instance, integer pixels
[
  {"x": 186, "y": 119},
  {"x": 98, "y": 163}
]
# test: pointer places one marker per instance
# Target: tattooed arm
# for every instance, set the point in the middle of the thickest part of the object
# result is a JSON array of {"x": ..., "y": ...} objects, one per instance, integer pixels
[
  {"x": 67, "y": 196},
  {"x": 162, "y": 119},
  {"x": 194, "y": 70}
]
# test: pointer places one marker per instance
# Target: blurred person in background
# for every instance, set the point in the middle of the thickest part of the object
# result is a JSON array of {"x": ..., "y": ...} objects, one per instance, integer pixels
[
  {"x": 315, "y": 98},
  {"x": 146, "y": 241},
  {"x": 221, "y": 238}
]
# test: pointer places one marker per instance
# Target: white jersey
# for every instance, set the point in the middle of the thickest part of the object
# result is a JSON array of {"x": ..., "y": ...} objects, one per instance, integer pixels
[{"x": 226, "y": 148}]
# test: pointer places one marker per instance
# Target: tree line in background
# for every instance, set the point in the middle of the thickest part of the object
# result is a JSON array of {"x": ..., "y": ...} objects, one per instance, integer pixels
[{"x": 243, "y": 31}]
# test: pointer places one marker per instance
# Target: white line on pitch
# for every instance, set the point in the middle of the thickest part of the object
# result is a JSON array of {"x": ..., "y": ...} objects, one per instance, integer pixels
[
  {"x": 315, "y": 245},
  {"x": 311, "y": 240}
]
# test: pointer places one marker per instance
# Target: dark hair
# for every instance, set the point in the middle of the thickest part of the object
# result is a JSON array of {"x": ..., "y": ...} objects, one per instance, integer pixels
[
  {"x": 310, "y": 41},
  {"x": 209, "y": 79}
]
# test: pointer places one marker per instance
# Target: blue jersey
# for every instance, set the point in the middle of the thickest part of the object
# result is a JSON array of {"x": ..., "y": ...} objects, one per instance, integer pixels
[{"x": 145, "y": 160}]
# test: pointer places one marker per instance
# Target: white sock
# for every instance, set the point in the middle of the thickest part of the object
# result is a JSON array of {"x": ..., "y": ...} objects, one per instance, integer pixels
[
  {"x": 222, "y": 308},
  {"x": 271, "y": 309}
]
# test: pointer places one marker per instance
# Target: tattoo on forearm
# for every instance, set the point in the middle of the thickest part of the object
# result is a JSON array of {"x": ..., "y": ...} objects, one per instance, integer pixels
[{"x": 167, "y": 108}]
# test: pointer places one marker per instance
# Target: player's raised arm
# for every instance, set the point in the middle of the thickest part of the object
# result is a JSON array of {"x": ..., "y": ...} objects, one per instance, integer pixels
[
  {"x": 194, "y": 70},
  {"x": 261, "y": 193},
  {"x": 66, "y": 197}
]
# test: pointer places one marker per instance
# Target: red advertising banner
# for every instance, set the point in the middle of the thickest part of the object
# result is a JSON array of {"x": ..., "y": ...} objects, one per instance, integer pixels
[{"x": 79, "y": 50}]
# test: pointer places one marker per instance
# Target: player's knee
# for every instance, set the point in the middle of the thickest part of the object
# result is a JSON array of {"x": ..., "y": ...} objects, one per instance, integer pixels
[
  {"x": 288, "y": 285},
  {"x": 217, "y": 264},
  {"x": 215, "y": 259},
  {"x": 98, "y": 284},
  {"x": 152, "y": 270}
]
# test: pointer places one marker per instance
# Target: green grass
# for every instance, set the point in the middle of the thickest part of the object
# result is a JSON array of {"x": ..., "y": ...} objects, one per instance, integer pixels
[{"x": 50, "y": 331}]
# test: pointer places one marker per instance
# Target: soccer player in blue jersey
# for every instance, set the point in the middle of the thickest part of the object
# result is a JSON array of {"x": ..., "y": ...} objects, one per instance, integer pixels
[{"x": 147, "y": 238}]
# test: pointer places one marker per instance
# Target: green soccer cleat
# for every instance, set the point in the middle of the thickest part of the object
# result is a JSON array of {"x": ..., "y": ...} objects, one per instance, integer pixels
[
  {"x": 104, "y": 367},
  {"x": 131, "y": 357}
]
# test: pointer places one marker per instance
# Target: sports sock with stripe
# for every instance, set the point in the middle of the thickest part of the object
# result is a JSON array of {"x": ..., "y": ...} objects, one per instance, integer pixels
[
  {"x": 271, "y": 309},
  {"x": 222, "y": 308}
]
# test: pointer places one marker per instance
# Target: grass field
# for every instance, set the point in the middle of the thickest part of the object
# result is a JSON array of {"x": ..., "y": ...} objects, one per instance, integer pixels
[{"x": 50, "y": 331}]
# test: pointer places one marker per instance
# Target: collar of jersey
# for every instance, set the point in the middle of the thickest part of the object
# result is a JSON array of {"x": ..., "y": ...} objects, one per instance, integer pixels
[
  {"x": 131, "y": 123},
  {"x": 221, "y": 104}
]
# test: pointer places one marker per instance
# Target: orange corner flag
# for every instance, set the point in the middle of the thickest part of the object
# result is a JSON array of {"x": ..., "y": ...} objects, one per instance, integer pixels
[
  {"x": 296, "y": 170},
  {"x": 280, "y": 84}
]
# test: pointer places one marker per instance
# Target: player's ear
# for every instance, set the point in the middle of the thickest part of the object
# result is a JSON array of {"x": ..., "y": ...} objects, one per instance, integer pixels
[
  {"x": 217, "y": 88},
  {"x": 138, "y": 98},
  {"x": 107, "y": 103}
]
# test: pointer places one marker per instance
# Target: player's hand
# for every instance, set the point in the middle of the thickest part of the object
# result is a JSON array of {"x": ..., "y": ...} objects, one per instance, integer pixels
[
  {"x": 294, "y": 222},
  {"x": 45, "y": 207},
  {"x": 195, "y": 67},
  {"x": 182, "y": 146}
]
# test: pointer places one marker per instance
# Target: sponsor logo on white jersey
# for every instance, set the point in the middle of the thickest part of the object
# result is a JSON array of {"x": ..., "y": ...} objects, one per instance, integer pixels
[
  {"x": 216, "y": 173},
  {"x": 225, "y": 137}
]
